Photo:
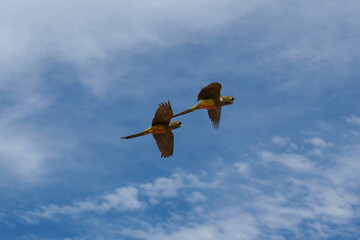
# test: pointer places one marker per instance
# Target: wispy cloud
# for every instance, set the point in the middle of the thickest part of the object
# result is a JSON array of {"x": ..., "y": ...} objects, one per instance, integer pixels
[
  {"x": 309, "y": 202},
  {"x": 243, "y": 168},
  {"x": 163, "y": 187},
  {"x": 196, "y": 197},
  {"x": 221, "y": 225},
  {"x": 125, "y": 198},
  {"x": 97, "y": 39},
  {"x": 293, "y": 161},
  {"x": 90, "y": 43},
  {"x": 22, "y": 154},
  {"x": 168, "y": 187},
  {"x": 89, "y": 35},
  {"x": 280, "y": 140},
  {"x": 318, "y": 142},
  {"x": 353, "y": 119}
]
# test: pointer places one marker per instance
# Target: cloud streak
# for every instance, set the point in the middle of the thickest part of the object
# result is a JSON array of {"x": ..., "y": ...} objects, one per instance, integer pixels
[
  {"x": 125, "y": 198},
  {"x": 353, "y": 119},
  {"x": 293, "y": 161},
  {"x": 88, "y": 35},
  {"x": 308, "y": 203}
]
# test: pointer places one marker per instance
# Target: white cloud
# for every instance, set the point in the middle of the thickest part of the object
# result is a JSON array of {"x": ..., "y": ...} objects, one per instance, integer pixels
[
  {"x": 310, "y": 44},
  {"x": 89, "y": 37},
  {"x": 168, "y": 187},
  {"x": 88, "y": 34},
  {"x": 164, "y": 187},
  {"x": 280, "y": 141},
  {"x": 243, "y": 168},
  {"x": 305, "y": 200},
  {"x": 27, "y": 154},
  {"x": 25, "y": 103},
  {"x": 353, "y": 119},
  {"x": 347, "y": 167},
  {"x": 196, "y": 197},
  {"x": 318, "y": 142},
  {"x": 273, "y": 212},
  {"x": 293, "y": 161},
  {"x": 22, "y": 154},
  {"x": 328, "y": 196},
  {"x": 294, "y": 146},
  {"x": 332, "y": 204},
  {"x": 230, "y": 225},
  {"x": 276, "y": 203},
  {"x": 125, "y": 198}
]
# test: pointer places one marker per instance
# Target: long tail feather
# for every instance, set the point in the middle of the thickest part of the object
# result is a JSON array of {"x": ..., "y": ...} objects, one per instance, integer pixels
[
  {"x": 185, "y": 112},
  {"x": 137, "y": 134}
]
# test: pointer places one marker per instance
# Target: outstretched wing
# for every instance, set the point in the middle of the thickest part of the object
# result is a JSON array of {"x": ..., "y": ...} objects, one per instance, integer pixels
[
  {"x": 165, "y": 143},
  {"x": 214, "y": 115},
  {"x": 210, "y": 91},
  {"x": 163, "y": 114}
]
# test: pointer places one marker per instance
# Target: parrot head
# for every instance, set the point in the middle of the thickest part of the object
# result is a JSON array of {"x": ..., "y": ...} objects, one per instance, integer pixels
[
  {"x": 227, "y": 100},
  {"x": 175, "y": 124}
]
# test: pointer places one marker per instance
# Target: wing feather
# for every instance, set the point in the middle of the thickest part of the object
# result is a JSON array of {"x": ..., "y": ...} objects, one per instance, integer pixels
[
  {"x": 210, "y": 91},
  {"x": 165, "y": 143},
  {"x": 214, "y": 115},
  {"x": 163, "y": 114}
]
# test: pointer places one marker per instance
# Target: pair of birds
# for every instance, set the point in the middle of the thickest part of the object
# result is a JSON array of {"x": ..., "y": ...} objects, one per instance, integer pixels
[{"x": 161, "y": 126}]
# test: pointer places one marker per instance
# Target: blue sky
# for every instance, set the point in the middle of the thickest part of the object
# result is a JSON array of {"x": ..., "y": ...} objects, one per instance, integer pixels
[{"x": 76, "y": 76}]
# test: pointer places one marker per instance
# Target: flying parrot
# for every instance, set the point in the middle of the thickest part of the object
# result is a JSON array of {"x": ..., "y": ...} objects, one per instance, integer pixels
[
  {"x": 161, "y": 129},
  {"x": 212, "y": 101}
]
